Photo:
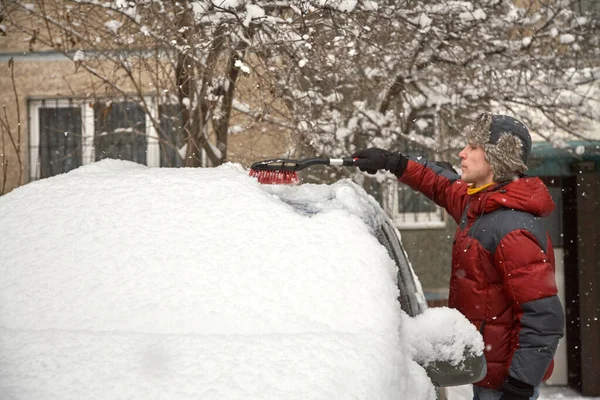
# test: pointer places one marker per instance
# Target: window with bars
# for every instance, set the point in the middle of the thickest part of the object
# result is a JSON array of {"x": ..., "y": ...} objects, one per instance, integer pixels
[
  {"x": 411, "y": 208},
  {"x": 59, "y": 140},
  {"x": 120, "y": 132},
  {"x": 65, "y": 134}
]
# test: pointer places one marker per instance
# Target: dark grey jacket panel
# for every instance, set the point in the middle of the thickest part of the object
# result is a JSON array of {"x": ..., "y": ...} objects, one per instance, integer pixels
[
  {"x": 491, "y": 228},
  {"x": 542, "y": 325}
]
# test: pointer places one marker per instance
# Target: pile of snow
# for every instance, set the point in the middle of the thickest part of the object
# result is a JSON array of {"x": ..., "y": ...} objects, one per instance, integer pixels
[
  {"x": 429, "y": 343},
  {"x": 121, "y": 281}
]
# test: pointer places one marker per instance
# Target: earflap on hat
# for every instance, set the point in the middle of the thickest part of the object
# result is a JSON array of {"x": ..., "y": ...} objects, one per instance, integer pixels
[
  {"x": 507, "y": 124},
  {"x": 505, "y": 157}
]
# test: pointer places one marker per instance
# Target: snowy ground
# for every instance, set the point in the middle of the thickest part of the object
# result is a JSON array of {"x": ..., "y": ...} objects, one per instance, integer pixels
[{"x": 547, "y": 393}]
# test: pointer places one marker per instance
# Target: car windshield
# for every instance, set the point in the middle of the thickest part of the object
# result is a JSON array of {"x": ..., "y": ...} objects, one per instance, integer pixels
[{"x": 125, "y": 281}]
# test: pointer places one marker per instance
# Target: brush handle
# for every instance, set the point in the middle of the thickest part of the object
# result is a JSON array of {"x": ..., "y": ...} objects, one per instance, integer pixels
[
  {"x": 297, "y": 165},
  {"x": 345, "y": 162}
]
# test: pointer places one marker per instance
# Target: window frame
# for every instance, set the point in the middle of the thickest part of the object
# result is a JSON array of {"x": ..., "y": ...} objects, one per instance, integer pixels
[
  {"x": 414, "y": 220},
  {"x": 88, "y": 130},
  {"x": 36, "y": 142}
]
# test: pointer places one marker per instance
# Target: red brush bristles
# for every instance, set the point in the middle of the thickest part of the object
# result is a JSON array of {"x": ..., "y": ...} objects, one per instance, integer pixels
[{"x": 275, "y": 177}]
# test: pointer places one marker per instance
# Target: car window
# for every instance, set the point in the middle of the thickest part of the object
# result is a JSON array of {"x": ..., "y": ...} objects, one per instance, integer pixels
[
  {"x": 406, "y": 284},
  {"x": 405, "y": 269}
]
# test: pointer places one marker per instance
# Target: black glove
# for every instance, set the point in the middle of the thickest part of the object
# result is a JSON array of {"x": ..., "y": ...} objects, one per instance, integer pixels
[
  {"x": 373, "y": 159},
  {"x": 516, "y": 390}
]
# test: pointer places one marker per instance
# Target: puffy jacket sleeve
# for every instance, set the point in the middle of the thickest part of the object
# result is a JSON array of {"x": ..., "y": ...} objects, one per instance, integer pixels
[
  {"x": 437, "y": 183},
  {"x": 529, "y": 281}
]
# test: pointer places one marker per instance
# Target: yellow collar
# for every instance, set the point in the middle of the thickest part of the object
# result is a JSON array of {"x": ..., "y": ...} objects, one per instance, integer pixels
[{"x": 473, "y": 189}]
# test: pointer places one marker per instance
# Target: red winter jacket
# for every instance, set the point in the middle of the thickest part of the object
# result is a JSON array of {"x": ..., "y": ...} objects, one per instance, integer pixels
[{"x": 502, "y": 269}]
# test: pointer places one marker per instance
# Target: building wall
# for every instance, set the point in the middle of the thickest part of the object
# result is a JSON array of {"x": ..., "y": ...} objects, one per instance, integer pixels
[
  {"x": 430, "y": 252},
  {"x": 46, "y": 79}
]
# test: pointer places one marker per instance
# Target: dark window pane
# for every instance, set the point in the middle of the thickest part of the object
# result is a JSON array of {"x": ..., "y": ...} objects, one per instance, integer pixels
[
  {"x": 60, "y": 140},
  {"x": 410, "y": 201},
  {"x": 172, "y": 138},
  {"x": 120, "y": 131}
]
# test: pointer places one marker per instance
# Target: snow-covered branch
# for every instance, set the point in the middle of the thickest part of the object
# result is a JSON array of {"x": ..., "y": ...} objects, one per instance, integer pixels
[{"x": 337, "y": 73}]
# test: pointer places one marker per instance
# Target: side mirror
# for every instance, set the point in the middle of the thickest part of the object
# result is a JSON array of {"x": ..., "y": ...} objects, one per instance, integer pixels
[
  {"x": 471, "y": 370},
  {"x": 447, "y": 346}
]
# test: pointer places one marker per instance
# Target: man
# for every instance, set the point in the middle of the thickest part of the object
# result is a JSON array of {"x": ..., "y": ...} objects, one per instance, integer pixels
[{"x": 502, "y": 260}]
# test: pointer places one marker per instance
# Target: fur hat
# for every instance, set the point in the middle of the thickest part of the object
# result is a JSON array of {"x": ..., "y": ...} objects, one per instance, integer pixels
[{"x": 506, "y": 142}]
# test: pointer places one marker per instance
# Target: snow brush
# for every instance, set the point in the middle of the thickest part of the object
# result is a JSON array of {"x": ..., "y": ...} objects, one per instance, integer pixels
[{"x": 284, "y": 171}]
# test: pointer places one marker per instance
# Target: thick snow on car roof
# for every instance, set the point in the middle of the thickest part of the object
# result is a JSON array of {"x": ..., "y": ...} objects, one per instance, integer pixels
[{"x": 121, "y": 281}]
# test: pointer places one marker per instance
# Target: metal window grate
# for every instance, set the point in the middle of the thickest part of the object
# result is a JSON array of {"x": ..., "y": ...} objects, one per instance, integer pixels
[
  {"x": 60, "y": 139},
  {"x": 173, "y": 137},
  {"x": 411, "y": 202},
  {"x": 120, "y": 131}
]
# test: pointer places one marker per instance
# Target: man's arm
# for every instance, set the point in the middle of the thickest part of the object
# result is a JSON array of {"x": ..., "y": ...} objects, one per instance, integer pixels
[
  {"x": 529, "y": 281},
  {"x": 440, "y": 184}
]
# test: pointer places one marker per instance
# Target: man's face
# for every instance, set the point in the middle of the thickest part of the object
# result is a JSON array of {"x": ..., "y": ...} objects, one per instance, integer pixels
[{"x": 475, "y": 168}]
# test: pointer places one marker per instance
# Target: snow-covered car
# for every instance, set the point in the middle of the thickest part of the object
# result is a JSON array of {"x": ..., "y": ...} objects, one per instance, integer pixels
[{"x": 121, "y": 281}]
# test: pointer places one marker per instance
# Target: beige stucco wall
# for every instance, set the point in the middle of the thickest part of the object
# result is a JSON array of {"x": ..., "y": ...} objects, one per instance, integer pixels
[{"x": 31, "y": 79}]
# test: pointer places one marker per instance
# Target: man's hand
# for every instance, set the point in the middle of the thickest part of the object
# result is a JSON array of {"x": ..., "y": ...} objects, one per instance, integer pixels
[
  {"x": 373, "y": 159},
  {"x": 516, "y": 390}
]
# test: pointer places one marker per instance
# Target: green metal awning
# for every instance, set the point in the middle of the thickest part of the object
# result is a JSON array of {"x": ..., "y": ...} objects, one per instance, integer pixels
[{"x": 546, "y": 160}]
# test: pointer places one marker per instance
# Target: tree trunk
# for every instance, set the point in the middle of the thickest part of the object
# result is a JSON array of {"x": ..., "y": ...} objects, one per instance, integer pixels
[
  {"x": 233, "y": 73},
  {"x": 185, "y": 78}
]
